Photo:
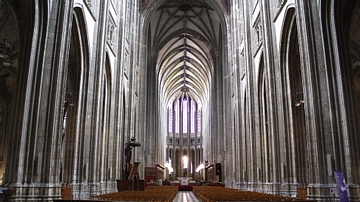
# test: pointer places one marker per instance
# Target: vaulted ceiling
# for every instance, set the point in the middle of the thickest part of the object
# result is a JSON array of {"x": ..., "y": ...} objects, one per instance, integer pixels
[{"x": 185, "y": 37}]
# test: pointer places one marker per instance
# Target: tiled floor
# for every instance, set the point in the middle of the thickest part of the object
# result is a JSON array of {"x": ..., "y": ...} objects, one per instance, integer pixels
[{"x": 186, "y": 196}]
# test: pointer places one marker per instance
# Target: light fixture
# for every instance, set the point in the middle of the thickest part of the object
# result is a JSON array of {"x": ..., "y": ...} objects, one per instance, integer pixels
[
  {"x": 69, "y": 97},
  {"x": 299, "y": 96},
  {"x": 201, "y": 166},
  {"x": 4, "y": 55},
  {"x": 169, "y": 167},
  {"x": 7, "y": 63}
]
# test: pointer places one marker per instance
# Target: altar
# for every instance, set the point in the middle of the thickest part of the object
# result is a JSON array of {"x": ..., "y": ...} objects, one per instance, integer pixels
[{"x": 184, "y": 180}]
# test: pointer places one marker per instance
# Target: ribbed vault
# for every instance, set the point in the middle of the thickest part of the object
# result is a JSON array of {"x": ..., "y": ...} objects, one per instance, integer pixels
[{"x": 184, "y": 36}]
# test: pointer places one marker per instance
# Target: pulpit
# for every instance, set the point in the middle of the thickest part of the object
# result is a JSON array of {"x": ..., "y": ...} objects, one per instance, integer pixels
[{"x": 131, "y": 180}]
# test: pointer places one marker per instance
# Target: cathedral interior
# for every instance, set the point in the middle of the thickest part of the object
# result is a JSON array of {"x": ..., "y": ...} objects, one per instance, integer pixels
[{"x": 268, "y": 89}]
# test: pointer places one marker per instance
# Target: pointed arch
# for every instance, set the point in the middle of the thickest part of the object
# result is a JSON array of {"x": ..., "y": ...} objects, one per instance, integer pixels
[
  {"x": 106, "y": 147},
  {"x": 294, "y": 165},
  {"x": 73, "y": 136},
  {"x": 341, "y": 23}
]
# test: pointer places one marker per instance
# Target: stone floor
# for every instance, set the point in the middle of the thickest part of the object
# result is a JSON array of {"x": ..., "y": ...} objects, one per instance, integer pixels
[{"x": 186, "y": 196}]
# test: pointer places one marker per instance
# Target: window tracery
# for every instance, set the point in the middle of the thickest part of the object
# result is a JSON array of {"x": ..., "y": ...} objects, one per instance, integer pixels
[{"x": 187, "y": 111}]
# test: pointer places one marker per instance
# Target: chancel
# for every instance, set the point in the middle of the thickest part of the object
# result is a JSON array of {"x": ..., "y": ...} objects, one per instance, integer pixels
[{"x": 256, "y": 95}]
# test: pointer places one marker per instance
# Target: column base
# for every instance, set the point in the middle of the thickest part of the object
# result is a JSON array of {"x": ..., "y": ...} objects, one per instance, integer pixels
[
  {"x": 321, "y": 192},
  {"x": 33, "y": 192},
  {"x": 354, "y": 192},
  {"x": 275, "y": 188},
  {"x": 81, "y": 191}
]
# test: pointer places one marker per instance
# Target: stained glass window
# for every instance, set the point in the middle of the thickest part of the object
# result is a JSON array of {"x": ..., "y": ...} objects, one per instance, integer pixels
[
  {"x": 199, "y": 121},
  {"x": 177, "y": 116},
  {"x": 192, "y": 116},
  {"x": 170, "y": 120},
  {"x": 184, "y": 114}
]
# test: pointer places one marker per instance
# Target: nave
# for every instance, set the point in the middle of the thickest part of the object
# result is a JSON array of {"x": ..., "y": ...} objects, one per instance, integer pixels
[{"x": 268, "y": 89}]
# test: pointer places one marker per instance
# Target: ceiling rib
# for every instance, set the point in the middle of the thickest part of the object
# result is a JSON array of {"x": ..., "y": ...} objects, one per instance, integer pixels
[{"x": 184, "y": 40}]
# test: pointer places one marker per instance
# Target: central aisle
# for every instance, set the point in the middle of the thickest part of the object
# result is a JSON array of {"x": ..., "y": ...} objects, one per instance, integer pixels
[{"x": 186, "y": 196}]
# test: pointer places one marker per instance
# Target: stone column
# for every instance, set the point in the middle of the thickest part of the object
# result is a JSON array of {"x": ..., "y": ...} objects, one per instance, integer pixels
[
  {"x": 32, "y": 170},
  {"x": 318, "y": 97}
]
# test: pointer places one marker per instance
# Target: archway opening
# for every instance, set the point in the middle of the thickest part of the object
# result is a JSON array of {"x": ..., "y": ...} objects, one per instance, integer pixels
[
  {"x": 293, "y": 168},
  {"x": 72, "y": 104}
]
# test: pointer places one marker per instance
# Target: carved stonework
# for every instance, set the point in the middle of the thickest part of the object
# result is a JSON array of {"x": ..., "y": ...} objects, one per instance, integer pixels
[
  {"x": 111, "y": 32},
  {"x": 281, "y": 3},
  {"x": 225, "y": 4},
  {"x": 258, "y": 31},
  {"x": 88, "y": 3},
  {"x": 145, "y": 4},
  {"x": 127, "y": 21},
  {"x": 137, "y": 72},
  {"x": 126, "y": 63}
]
